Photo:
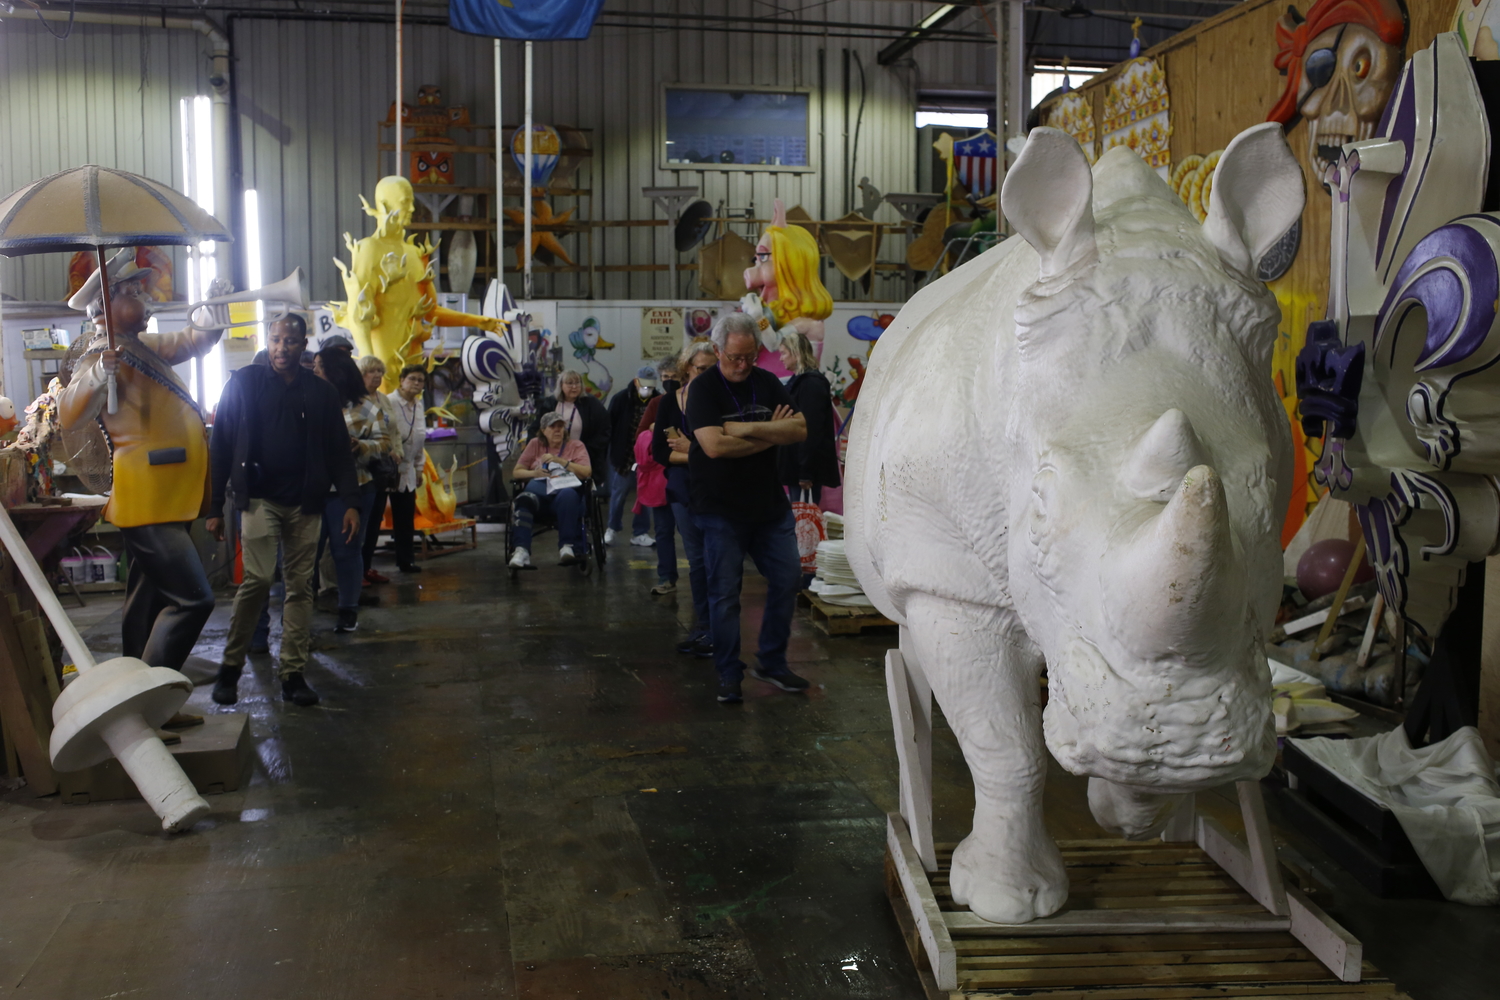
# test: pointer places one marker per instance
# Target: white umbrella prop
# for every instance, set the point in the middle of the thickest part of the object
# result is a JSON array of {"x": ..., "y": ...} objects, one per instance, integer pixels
[{"x": 97, "y": 208}]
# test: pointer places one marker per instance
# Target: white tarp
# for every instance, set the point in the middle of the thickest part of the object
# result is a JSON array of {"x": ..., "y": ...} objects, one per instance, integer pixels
[{"x": 1445, "y": 797}]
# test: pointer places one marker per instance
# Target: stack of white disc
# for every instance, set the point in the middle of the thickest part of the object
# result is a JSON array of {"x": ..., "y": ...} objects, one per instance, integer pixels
[
  {"x": 833, "y": 524},
  {"x": 835, "y": 581}
]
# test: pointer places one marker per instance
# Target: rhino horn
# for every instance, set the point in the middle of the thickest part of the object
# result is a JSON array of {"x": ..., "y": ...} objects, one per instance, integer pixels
[
  {"x": 1181, "y": 584},
  {"x": 1162, "y": 457}
]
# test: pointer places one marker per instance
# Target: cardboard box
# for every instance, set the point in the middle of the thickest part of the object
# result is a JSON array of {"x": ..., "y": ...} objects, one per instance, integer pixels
[{"x": 214, "y": 756}]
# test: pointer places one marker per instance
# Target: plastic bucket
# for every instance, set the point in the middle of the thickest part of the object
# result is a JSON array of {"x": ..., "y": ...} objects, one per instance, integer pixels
[
  {"x": 76, "y": 566},
  {"x": 101, "y": 565}
]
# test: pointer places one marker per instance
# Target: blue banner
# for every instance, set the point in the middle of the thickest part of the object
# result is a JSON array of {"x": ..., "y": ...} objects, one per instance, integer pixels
[{"x": 534, "y": 19}]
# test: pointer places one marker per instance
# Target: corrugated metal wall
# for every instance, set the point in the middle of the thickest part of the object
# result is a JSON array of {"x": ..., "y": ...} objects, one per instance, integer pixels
[
  {"x": 310, "y": 94},
  {"x": 107, "y": 95}
]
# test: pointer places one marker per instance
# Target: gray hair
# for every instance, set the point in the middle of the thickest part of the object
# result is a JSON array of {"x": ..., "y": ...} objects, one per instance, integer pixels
[
  {"x": 691, "y": 351},
  {"x": 734, "y": 322}
]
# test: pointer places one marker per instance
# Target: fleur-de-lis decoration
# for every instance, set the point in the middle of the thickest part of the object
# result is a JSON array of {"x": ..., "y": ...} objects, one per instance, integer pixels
[{"x": 392, "y": 270}]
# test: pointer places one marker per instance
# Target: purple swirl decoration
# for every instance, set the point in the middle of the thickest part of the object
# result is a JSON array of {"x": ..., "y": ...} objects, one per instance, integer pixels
[{"x": 1433, "y": 277}]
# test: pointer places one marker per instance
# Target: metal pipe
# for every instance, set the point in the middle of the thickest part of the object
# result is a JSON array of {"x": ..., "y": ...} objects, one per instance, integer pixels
[
  {"x": 526, "y": 181},
  {"x": 497, "y": 203},
  {"x": 400, "y": 91}
]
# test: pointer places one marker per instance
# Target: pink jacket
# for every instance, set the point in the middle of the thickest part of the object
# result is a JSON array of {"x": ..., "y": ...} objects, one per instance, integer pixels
[{"x": 650, "y": 478}]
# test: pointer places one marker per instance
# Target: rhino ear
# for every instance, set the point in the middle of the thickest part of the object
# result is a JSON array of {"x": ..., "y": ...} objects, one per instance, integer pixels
[
  {"x": 1257, "y": 196},
  {"x": 1048, "y": 197}
]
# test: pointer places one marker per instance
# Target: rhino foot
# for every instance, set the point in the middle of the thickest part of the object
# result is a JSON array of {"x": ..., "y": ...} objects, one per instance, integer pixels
[{"x": 1010, "y": 883}]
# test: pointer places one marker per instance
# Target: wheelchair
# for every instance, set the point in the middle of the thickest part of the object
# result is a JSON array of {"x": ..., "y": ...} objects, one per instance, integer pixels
[{"x": 595, "y": 514}]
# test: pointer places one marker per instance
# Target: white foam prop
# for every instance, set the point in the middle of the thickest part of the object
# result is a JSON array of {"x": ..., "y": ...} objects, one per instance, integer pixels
[
  {"x": 1069, "y": 452},
  {"x": 113, "y": 708}
]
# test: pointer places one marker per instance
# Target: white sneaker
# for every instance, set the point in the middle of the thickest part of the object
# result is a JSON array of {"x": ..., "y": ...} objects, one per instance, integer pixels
[
  {"x": 520, "y": 559},
  {"x": 644, "y": 541},
  {"x": 609, "y": 536},
  {"x": 565, "y": 556}
]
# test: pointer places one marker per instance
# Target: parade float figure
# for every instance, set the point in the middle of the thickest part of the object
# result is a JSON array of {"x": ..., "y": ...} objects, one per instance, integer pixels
[
  {"x": 785, "y": 289},
  {"x": 392, "y": 294},
  {"x": 159, "y": 447},
  {"x": 1070, "y": 454}
]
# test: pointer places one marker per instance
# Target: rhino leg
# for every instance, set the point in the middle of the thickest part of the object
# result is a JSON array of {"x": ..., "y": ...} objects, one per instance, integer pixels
[
  {"x": 984, "y": 671},
  {"x": 1130, "y": 811}
]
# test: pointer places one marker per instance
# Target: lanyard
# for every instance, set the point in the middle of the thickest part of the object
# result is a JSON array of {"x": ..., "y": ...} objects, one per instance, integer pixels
[
  {"x": 411, "y": 421},
  {"x": 738, "y": 408}
]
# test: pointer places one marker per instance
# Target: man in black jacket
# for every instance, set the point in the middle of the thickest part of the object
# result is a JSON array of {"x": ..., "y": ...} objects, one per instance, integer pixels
[
  {"x": 625, "y": 411},
  {"x": 279, "y": 445}
]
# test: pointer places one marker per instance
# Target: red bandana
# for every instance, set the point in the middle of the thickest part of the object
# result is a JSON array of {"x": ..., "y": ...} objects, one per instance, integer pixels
[{"x": 1384, "y": 17}]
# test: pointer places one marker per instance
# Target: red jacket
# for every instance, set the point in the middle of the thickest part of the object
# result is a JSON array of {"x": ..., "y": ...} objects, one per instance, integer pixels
[{"x": 650, "y": 477}]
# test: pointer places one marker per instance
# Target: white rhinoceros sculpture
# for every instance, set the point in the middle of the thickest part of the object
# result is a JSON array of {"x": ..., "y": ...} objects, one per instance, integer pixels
[{"x": 1069, "y": 453}]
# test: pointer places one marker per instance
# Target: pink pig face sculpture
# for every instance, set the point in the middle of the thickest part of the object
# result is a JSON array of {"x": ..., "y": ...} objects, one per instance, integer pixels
[{"x": 1069, "y": 455}]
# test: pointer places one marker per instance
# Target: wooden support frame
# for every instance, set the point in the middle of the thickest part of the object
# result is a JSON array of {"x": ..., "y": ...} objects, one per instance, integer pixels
[{"x": 1253, "y": 865}]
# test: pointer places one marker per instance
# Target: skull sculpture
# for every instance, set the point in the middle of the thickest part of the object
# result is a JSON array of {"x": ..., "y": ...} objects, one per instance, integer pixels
[{"x": 1341, "y": 63}]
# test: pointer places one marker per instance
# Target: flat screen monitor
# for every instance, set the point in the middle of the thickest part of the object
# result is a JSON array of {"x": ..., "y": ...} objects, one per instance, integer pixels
[{"x": 735, "y": 129}]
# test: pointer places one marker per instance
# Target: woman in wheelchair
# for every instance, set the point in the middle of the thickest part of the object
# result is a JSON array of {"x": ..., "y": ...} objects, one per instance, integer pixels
[{"x": 557, "y": 469}]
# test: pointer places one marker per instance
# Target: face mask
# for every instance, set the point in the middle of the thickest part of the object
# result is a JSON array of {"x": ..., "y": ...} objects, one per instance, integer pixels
[{"x": 644, "y": 390}]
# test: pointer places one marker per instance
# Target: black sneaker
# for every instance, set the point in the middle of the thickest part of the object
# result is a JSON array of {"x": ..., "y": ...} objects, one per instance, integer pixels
[
  {"x": 410, "y": 569},
  {"x": 729, "y": 691},
  {"x": 694, "y": 647},
  {"x": 294, "y": 689},
  {"x": 784, "y": 679},
  {"x": 226, "y": 685},
  {"x": 348, "y": 620},
  {"x": 705, "y": 650}
]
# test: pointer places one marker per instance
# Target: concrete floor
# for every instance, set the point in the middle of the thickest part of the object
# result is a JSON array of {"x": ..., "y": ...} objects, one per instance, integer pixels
[{"x": 518, "y": 790}]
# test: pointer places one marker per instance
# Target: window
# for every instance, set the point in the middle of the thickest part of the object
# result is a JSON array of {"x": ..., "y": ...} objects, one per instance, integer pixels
[
  {"x": 735, "y": 129},
  {"x": 1046, "y": 79},
  {"x": 954, "y": 119}
]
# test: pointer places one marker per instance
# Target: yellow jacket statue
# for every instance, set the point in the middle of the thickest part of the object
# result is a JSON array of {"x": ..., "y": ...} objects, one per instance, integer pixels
[
  {"x": 160, "y": 454},
  {"x": 391, "y": 291}
]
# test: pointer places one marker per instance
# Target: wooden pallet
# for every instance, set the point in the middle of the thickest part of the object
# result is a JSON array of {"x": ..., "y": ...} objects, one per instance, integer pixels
[
  {"x": 1117, "y": 877},
  {"x": 836, "y": 620},
  {"x": 432, "y": 547},
  {"x": 1201, "y": 881}
]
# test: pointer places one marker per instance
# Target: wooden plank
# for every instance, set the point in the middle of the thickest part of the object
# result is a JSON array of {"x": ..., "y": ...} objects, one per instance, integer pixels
[
  {"x": 931, "y": 923},
  {"x": 1084, "y": 944},
  {"x": 1265, "y": 873},
  {"x": 1287, "y": 952},
  {"x": 1182, "y": 828},
  {"x": 1335, "y": 947},
  {"x": 1259, "y": 991},
  {"x": 1135, "y": 921},
  {"x": 1148, "y": 974},
  {"x": 901, "y": 908},
  {"x": 911, "y": 721},
  {"x": 34, "y": 641},
  {"x": 25, "y": 712}
]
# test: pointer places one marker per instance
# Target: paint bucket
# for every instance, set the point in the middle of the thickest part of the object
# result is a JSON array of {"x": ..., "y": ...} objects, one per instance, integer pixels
[
  {"x": 76, "y": 566},
  {"x": 101, "y": 565}
]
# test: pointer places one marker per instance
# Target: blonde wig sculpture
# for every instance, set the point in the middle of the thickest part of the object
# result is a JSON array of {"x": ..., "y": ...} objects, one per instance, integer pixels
[{"x": 799, "y": 291}]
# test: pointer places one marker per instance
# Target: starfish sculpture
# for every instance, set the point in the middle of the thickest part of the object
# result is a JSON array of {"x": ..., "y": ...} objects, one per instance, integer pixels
[{"x": 541, "y": 217}]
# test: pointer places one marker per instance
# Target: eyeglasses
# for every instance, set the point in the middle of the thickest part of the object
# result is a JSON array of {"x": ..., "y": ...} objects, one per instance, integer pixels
[
  {"x": 699, "y": 369},
  {"x": 741, "y": 359}
]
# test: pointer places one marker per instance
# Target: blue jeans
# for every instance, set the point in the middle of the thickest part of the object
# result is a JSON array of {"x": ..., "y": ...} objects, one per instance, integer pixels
[
  {"x": 666, "y": 545},
  {"x": 348, "y": 557},
  {"x": 621, "y": 483},
  {"x": 772, "y": 545},
  {"x": 692, "y": 545},
  {"x": 566, "y": 506}
]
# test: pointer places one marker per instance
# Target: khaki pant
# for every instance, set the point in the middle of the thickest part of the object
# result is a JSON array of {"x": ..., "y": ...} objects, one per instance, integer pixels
[{"x": 261, "y": 527}]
